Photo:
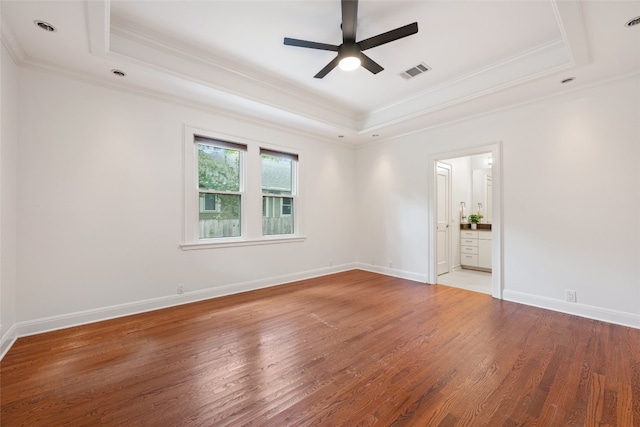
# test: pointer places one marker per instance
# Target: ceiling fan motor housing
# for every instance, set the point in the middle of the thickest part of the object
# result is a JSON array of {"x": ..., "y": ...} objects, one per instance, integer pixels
[{"x": 349, "y": 50}]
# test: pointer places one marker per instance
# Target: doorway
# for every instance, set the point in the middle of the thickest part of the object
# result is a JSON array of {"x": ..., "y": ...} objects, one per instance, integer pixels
[{"x": 467, "y": 267}]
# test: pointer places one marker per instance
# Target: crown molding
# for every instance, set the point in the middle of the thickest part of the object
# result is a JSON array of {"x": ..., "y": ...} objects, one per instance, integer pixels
[
  {"x": 283, "y": 125},
  {"x": 201, "y": 68},
  {"x": 11, "y": 43},
  {"x": 98, "y": 15},
  {"x": 529, "y": 101},
  {"x": 570, "y": 20},
  {"x": 538, "y": 62}
]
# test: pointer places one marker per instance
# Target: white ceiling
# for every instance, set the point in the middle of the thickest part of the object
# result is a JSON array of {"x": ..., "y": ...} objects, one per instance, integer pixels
[{"x": 229, "y": 55}]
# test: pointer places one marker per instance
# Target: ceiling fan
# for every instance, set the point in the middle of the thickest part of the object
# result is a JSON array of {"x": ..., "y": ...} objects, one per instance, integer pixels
[{"x": 350, "y": 54}]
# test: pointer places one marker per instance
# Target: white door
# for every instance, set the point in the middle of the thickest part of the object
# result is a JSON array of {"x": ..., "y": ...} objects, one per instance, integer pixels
[{"x": 443, "y": 210}]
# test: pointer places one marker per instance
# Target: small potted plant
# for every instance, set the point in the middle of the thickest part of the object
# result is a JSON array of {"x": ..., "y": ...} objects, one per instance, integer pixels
[{"x": 474, "y": 219}]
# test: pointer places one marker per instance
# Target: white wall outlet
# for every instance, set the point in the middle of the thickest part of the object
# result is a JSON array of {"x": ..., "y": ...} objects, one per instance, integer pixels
[
  {"x": 570, "y": 296},
  {"x": 330, "y": 263},
  {"x": 390, "y": 264},
  {"x": 181, "y": 288}
]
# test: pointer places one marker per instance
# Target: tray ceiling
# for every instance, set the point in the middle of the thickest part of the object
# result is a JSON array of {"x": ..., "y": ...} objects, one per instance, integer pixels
[{"x": 229, "y": 56}]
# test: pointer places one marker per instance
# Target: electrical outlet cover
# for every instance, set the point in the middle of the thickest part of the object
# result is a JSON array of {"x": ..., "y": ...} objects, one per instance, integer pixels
[{"x": 570, "y": 296}]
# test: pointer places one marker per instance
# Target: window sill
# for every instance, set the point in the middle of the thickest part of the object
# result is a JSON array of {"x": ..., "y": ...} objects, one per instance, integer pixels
[{"x": 228, "y": 243}]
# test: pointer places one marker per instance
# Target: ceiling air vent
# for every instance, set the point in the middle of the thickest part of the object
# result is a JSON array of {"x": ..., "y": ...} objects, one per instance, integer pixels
[{"x": 415, "y": 71}]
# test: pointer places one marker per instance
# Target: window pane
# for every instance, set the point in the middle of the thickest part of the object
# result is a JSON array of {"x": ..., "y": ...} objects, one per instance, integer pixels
[
  {"x": 209, "y": 202},
  {"x": 277, "y": 215},
  {"x": 287, "y": 205},
  {"x": 277, "y": 175},
  {"x": 224, "y": 221},
  {"x": 218, "y": 168}
]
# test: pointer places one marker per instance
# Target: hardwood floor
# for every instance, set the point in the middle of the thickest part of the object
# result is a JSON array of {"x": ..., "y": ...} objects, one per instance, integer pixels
[{"x": 352, "y": 349}]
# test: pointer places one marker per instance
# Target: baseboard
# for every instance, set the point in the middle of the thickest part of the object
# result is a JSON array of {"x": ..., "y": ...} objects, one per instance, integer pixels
[
  {"x": 7, "y": 340},
  {"x": 53, "y": 323},
  {"x": 583, "y": 310},
  {"x": 416, "y": 277},
  {"x": 591, "y": 312}
]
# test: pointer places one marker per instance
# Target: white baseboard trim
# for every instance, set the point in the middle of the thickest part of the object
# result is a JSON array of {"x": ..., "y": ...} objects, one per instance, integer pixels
[
  {"x": 52, "y": 323},
  {"x": 7, "y": 340},
  {"x": 48, "y": 324},
  {"x": 409, "y": 275},
  {"x": 591, "y": 312},
  {"x": 583, "y": 310}
]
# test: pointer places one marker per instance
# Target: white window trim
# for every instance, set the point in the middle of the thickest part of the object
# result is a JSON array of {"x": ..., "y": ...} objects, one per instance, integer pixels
[
  {"x": 237, "y": 241},
  {"x": 251, "y": 235}
]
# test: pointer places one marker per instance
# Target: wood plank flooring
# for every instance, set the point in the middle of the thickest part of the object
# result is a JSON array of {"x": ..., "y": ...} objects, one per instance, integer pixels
[{"x": 350, "y": 349}]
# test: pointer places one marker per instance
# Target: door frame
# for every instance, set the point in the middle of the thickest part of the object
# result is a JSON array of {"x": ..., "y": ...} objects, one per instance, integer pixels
[{"x": 496, "y": 223}]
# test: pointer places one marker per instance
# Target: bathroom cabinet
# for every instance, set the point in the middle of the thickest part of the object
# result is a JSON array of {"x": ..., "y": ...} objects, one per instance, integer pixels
[{"x": 475, "y": 249}]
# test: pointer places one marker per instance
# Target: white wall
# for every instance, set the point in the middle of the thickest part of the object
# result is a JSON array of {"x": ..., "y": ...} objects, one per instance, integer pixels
[
  {"x": 8, "y": 199},
  {"x": 100, "y": 206},
  {"x": 98, "y": 203},
  {"x": 392, "y": 221},
  {"x": 571, "y": 194}
]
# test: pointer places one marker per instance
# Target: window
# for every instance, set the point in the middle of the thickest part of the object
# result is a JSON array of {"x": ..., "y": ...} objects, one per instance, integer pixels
[
  {"x": 279, "y": 171},
  {"x": 238, "y": 193},
  {"x": 220, "y": 187}
]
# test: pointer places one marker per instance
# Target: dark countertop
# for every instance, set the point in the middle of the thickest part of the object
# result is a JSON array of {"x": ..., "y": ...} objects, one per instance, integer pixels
[{"x": 481, "y": 226}]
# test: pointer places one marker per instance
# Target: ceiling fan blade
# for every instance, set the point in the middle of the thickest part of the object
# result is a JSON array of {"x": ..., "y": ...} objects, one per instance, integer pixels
[
  {"x": 349, "y": 20},
  {"x": 330, "y": 66},
  {"x": 370, "y": 64},
  {"x": 310, "y": 45},
  {"x": 389, "y": 36}
]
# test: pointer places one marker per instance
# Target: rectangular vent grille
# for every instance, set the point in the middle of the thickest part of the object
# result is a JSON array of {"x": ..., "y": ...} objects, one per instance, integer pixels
[{"x": 415, "y": 71}]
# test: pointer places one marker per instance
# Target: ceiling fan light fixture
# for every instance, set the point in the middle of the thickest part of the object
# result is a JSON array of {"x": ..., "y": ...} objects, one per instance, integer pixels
[{"x": 349, "y": 63}]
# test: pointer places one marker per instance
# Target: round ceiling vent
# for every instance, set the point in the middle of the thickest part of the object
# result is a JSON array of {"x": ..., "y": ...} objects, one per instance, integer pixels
[
  {"x": 634, "y": 21},
  {"x": 45, "y": 26}
]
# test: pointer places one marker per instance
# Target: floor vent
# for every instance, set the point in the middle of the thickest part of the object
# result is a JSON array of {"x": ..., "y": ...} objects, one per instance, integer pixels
[{"x": 415, "y": 71}]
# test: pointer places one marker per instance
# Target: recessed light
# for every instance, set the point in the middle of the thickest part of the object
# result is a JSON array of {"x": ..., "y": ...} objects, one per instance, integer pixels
[
  {"x": 45, "y": 26},
  {"x": 568, "y": 80},
  {"x": 118, "y": 73},
  {"x": 634, "y": 21}
]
